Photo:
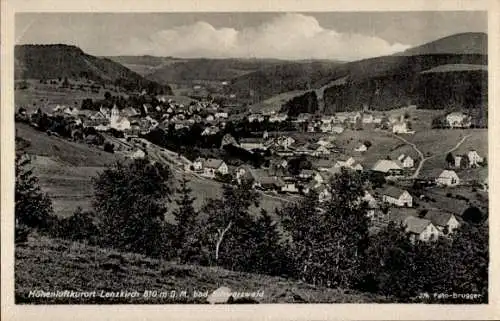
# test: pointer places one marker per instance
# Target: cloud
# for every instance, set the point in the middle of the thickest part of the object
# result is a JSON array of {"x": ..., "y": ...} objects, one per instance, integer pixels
[{"x": 288, "y": 36}]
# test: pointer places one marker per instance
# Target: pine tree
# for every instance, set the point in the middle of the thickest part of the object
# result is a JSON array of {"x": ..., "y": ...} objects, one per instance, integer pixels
[
  {"x": 187, "y": 236},
  {"x": 268, "y": 255},
  {"x": 32, "y": 207},
  {"x": 450, "y": 160}
]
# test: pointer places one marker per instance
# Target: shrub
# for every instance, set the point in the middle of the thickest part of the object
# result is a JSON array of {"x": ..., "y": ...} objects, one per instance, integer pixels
[{"x": 109, "y": 147}]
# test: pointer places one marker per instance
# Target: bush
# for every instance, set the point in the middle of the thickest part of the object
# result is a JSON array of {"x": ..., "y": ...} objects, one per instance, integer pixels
[
  {"x": 108, "y": 147},
  {"x": 21, "y": 233},
  {"x": 449, "y": 195},
  {"x": 80, "y": 226}
]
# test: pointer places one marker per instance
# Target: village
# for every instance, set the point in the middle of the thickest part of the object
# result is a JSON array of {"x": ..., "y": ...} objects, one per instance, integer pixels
[{"x": 298, "y": 162}]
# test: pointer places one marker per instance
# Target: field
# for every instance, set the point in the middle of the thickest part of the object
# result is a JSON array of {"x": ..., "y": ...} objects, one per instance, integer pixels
[
  {"x": 46, "y": 96},
  {"x": 43, "y": 264},
  {"x": 274, "y": 103},
  {"x": 383, "y": 145}
]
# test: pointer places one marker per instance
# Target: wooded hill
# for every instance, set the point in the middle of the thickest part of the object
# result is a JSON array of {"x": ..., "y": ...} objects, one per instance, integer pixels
[
  {"x": 64, "y": 61},
  {"x": 450, "y": 73}
]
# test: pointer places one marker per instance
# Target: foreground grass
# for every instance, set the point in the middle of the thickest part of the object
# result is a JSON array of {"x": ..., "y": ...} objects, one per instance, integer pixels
[{"x": 51, "y": 265}]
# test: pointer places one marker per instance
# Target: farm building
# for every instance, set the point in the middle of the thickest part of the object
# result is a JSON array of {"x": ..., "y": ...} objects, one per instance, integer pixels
[
  {"x": 448, "y": 178},
  {"x": 396, "y": 196}
]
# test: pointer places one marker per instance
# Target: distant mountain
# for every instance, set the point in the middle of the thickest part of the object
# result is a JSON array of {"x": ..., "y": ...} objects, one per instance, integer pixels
[
  {"x": 180, "y": 70},
  {"x": 469, "y": 43},
  {"x": 447, "y": 73},
  {"x": 54, "y": 61}
]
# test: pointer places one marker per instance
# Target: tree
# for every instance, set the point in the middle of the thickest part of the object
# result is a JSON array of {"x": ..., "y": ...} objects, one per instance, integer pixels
[
  {"x": 303, "y": 223},
  {"x": 107, "y": 95},
  {"x": 474, "y": 215},
  {"x": 450, "y": 160},
  {"x": 187, "y": 232},
  {"x": 464, "y": 162},
  {"x": 228, "y": 224},
  {"x": 268, "y": 254},
  {"x": 346, "y": 223},
  {"x": 109, "y": 147},
  {"x": 128, "y": 201},
  {"x": 388, "y": 266},
  {"x": 32, "y": 207}
]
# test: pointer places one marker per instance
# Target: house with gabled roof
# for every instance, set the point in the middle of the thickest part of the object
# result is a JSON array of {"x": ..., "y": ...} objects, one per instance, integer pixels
[
  {"x": 448, "y": 178},
  {"x": 419, "y": 229},
  {"x": 387, "y": 166},
  {"x": 445, "y": 222},
  {"x": 346, "y": 162},
  {"x": 406, "y": 160},
  {"x": 474, "y": 158},
  {"x": 212, "y": 166},
  {"x": 396, "y": 196}
]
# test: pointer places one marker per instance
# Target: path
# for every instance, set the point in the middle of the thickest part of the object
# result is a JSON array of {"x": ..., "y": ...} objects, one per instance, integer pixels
[{"x": 423, "y": 159}]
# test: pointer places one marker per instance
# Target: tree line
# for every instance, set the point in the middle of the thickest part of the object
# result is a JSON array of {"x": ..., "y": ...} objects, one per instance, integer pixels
[{"x": 327, "y": 246}]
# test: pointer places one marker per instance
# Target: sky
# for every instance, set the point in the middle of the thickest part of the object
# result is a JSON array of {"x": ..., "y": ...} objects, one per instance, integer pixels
[{"x": 298, "y": 35}]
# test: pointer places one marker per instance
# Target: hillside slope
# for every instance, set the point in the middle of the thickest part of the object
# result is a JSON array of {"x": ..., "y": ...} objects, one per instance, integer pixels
[
  {"x": 273, "y": 80},
  {"x": 462, "y": 43},
  {"x": 52, "y": 264},
  {"x": 59, "y": 61},
  {"x": 393, "y": 81}
]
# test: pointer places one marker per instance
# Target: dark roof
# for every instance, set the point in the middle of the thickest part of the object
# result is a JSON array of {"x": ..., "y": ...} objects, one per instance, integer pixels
[
  {"x": 438, "y": 218},
  {"x": 416, "y": 225},
  {"x": 252, "y": 140},
  {"x": 392, "y": 191}
]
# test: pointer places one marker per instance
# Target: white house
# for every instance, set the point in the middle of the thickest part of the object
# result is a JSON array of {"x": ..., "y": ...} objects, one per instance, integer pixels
[
  {"x": 289, "y": 187},
  {"x": 252, "y": 143},
  {"x": 458, "y": 160},
  {"x": 285, "y": 141},
  {"x": 210, "y": 118},
  {"x": 420, "y": 229},
  {"x": 210, "y": 130},
  {"x": 448, "y": 178},
  {"x": 326, "y": 127},
  {"x": 474, "y": 158},
  {"x": 458, "y": 120},
  {"x": 198, "y": 164},
  {"x": 400, "y": 128},
  {"x": 138, "y": 154},
  {"x": 256, "y": 117},
  {"x": 361, "y": 148},
  {"x": 116, "y": 121},
  {"x": 345, "y": 163},
  {"x": 443, "y": 221},
  {"x": 396, "y": 196},
  {"x": 212, "y": 166},
  {"x": 277, "y": 118},
  {"x": 221, "y": 115},
  {"x": 406, "y": 160}
]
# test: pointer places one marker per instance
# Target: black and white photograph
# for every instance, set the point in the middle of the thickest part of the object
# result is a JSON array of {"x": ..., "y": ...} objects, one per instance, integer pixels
[{"x": 251, "y": 157}]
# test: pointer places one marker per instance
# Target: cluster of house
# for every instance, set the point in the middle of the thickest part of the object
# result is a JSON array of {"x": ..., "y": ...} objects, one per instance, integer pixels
[
  {"x": 133, "y": 121},
  {"x": 467, "y": 160}
]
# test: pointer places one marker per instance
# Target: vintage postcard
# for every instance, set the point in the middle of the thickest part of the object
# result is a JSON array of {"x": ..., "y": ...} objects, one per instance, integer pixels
[{"x": 207, "y": 161}]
